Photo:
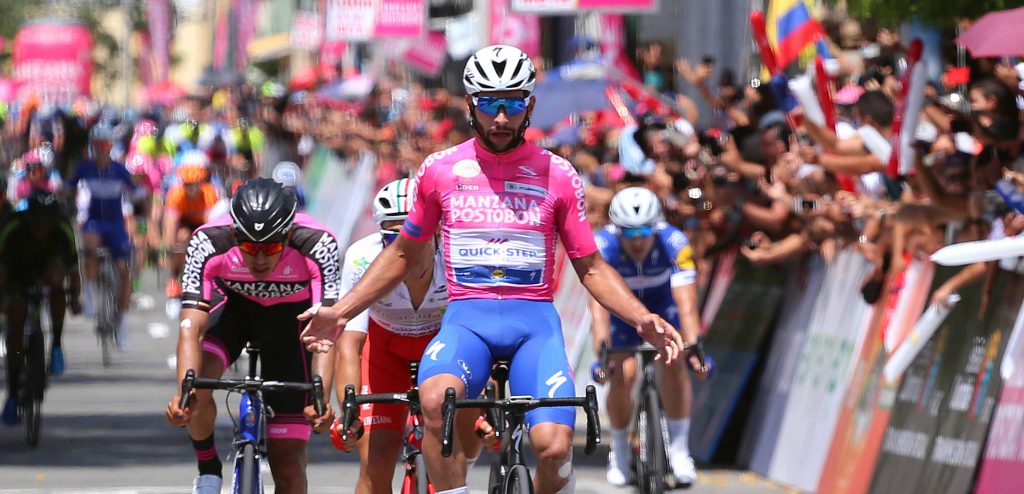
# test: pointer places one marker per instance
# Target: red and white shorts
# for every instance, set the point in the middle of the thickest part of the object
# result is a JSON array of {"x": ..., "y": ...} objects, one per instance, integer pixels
[{"x": 385, "y": 369}]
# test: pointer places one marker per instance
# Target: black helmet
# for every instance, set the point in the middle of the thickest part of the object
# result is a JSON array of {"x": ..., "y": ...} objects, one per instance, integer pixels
[
  {"x": 262, "y": 209},
  {"x": 42, "y": 202}
]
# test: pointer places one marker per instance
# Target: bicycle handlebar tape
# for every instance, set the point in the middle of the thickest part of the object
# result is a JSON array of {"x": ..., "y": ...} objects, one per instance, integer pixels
[
  {"x": 593, "y": 421},
  {"x": 348, "y": 409},
  {"x": 318, "y": 395},
  {"x": 448, "y": 413},
  {"x": 186, "y": 388}
]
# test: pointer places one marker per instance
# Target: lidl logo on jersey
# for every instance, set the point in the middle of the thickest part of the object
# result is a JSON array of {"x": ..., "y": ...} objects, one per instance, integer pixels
[{"x": 500, "y": 209}]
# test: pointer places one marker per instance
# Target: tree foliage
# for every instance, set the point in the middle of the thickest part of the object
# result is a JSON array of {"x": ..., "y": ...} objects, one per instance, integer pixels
[{"x": 936, "y": 12}]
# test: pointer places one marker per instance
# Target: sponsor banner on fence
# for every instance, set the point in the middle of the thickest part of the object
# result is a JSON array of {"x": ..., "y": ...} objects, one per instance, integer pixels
[
  {"x": 790, "y": 337},
  {"x": 364, "y": 20},
  {"x": 837, "y": 330},
  {"x": 940, "y": 418},
  {"x": 865, "y": 410},
  {"x": 307, "y": 31},
  {"x": 158, "y": 13},
  {"x": 1002, "y": 469},
  {"x": 570, "y": 6},
  {"x": 519, "y": 30},
  {"x": 53, "y": 60},
  {"x": 735, "y": 334}
]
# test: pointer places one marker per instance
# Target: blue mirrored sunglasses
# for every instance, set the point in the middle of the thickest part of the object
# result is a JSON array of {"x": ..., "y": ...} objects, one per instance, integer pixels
[
  {"x": 490, "y": 105},
  {"x": 388, "y": 236},
  {"x": 637, "y": 231}
]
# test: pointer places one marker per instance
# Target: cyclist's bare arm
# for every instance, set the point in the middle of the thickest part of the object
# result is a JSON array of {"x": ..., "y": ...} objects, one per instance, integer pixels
[
  {"x": 192, "y": 326},
  {"x": 600, "y": 325},
  {"x": 685, "y": 298},
  {"x": 347, "y": 364},
  {"x": 170, "y": 227},
  {"x": 383, "y": 275},
  {"x": 609, "y": 289}
]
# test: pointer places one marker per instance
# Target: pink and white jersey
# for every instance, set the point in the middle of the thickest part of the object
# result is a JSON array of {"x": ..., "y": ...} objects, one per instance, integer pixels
[
  {"x": 500, "y": 215},
  {"x": 309, "y": 269}
]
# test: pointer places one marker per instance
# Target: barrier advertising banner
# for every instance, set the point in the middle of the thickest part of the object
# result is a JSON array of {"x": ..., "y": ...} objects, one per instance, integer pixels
[
  {"x": 428, "y": 55},
  {"x": 364, "y": 20},
  {"x": 53, "y": 60},
  {"x": 865, "y": 410},
  {"x": 941, "y": 414},
  {"x": 788, "y": 343},
  {"x": 1002, "y": 469},
  {"x": 836, "y": 334},
  {"x": 747, "y": 312},
  {"x": 571, "y": 6}
]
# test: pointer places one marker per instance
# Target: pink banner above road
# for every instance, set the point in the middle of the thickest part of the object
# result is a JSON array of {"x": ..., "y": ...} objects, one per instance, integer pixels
[
  {"x": 364, "y": 20},
  {"x": 519, "y": 30},
  {"x": 53, "y": 60},
  {"x": 567, "y": 6}
]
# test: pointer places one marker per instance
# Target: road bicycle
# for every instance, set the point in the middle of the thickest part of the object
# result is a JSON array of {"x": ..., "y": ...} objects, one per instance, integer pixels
[
  {"x": 648, "y": 430},
  {"x": 33, "y": 371},
  {"x": 507, "y": 415},
  {"x": 250, "y": 441},
  {"x": 106, "y": 304},
  {"x": 415, "y": 480}
]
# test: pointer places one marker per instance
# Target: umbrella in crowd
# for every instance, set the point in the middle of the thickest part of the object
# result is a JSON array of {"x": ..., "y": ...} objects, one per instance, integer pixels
[
  {"x": 575, "y": 87},
  {"x": 996, "y": 34}
]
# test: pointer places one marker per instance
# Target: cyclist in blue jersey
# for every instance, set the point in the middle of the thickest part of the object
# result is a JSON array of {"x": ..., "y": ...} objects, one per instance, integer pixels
[
  {"x": 108, "y": 184},
  {"x": 656, "y": 261}
]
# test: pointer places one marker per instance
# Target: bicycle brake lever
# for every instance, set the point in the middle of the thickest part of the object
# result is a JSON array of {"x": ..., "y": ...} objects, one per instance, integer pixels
[{"x": 186, "y": 389}]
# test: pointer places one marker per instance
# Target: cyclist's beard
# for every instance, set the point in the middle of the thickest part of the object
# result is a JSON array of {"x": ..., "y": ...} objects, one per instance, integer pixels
[{"x": 488, "y": 143}]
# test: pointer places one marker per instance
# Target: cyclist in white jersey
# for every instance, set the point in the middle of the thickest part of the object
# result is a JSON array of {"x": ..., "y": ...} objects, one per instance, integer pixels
[{"x": 377, "y": 346}]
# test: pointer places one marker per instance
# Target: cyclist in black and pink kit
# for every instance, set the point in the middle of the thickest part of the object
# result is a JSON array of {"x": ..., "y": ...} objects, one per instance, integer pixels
[{"x": 246, "y": 278}]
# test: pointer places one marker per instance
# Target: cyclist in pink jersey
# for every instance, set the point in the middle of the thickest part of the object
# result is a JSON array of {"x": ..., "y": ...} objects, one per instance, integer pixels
[
  {"x": 501, "y": 204},
  {"x": 246, "y": 277}
]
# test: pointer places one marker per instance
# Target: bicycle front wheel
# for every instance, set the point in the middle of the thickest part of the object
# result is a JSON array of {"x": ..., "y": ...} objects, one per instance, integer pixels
[
  {"x": 35, "y": 383},
  {"x": 655, "y": 461},
  {"x": 246, "y": 482},
  {"x": 518, "y": 481},
  {"x": 422, "y": 482}
]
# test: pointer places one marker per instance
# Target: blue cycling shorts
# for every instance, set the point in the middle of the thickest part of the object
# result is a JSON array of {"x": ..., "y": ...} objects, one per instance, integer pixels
[
  {"x": 474, "y": 333},
  {"x": 624, "y": 335},
  {"x": 113, "y": 236}
]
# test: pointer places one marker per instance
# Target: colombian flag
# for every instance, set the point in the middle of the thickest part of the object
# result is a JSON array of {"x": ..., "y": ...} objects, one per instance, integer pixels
[{"x": 791, "y": 28}]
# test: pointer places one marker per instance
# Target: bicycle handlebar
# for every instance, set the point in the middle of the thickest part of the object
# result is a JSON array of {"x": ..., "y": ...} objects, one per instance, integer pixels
[
  {"x": 191, "y": 382},
  {"x": 647, "y": 348},
  {"x": 520, "y": 404}
]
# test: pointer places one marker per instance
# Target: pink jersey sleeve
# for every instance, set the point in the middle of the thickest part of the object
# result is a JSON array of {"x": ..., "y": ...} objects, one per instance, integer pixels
[
  {"x": 571, "y": 209},
  {"x": 425, "y": 214}
]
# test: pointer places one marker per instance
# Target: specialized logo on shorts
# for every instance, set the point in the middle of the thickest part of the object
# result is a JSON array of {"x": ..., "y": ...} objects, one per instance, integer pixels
[
  {"x": 199, "y": 249},
  {"x": 466, "y": 168},
  {"x": 554, "y": 382},
  {"x": 467, "y": 373},
  {"x": 434, "y": 350},
  {"x": 265, "y": 289},
  {"x": 325, "y": 253}
]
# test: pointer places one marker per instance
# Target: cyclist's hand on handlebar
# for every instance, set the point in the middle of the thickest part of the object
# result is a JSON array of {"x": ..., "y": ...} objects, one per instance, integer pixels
[
  {"x": 662, "y": 335},
  {"x": 322, "y": 423},
  {"x": 325, "y": 325},
  {"x": 175, "y": 415},
  {"x": 355, "y": 431},
  {"x": 485, "y": 431}
]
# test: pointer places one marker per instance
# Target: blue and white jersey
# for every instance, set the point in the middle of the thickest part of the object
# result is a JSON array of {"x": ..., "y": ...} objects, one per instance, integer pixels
[
  {"x": 669, "y": 264},
  {"x": 108, "y": 187}
]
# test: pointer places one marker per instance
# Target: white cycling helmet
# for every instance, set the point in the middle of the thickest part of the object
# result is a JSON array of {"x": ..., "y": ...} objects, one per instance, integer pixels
[
  {"x": 499, "y": 68},
  {"x": 635, "y": 206},
  {"x": 394, "y": 200}
]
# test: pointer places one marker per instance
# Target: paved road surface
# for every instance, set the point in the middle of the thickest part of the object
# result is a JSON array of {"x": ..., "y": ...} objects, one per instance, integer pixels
[{"x": 104, "y": 431}]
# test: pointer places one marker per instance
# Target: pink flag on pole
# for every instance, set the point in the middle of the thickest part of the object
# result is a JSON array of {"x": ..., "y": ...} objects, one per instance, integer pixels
[
  {"x": 429, "y": 54},
  {"x": 245, "y": 30},
  {"x": 519, "y": 30},
  {"x": 158, "y": 13}
]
